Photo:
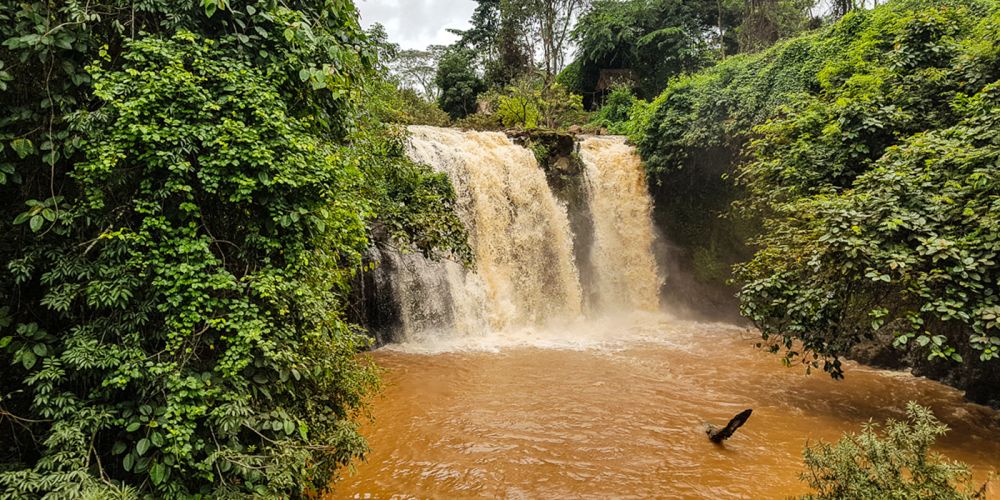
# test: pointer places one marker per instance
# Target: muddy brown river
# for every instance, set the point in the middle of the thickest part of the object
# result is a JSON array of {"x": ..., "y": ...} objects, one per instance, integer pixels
[{"x": 616, "y": 409}]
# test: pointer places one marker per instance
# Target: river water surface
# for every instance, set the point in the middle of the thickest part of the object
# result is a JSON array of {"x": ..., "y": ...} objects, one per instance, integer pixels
[{"x": 616, "y": 408}]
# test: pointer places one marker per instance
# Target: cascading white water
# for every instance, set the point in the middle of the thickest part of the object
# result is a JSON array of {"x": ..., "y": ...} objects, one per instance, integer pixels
[
  {"x": 519, "y": 233},
  {"x": 525, "y": 272},
  {"x": 622, "y": 254}
]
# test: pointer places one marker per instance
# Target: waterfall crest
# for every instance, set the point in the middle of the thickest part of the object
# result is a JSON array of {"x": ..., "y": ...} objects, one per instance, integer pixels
[{"x": 525, "y": 273}]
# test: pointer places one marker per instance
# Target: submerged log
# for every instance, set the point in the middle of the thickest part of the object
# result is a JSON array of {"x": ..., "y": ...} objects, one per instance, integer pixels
[{"x": 718, "y": 435}]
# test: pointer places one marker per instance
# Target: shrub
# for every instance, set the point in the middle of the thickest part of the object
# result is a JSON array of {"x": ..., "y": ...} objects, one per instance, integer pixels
[
  {"x": 616, "y": 107},
  {"x": 878, "y": 195},
  {"x": 531, "y": 102},
  {"x": 571, "y": 77},
  {"x": 864, "y": 148},
  {"x": 460, "y": 85},
  {"x": 897, "y": 464},
  {"x": 624, "y": 114},
  {"x": 480, "y": 121},
  {"x": 409, "y": 108}
]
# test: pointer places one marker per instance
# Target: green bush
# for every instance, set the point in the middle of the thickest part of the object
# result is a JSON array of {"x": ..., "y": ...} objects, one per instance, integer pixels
[
  {"x": 656, "y": 39},
  {"x": 865, "y": 150},
  {"x": 460, "y": 85},
  {"x": 897, "y": 464},
  {"x": 530, "y": 102},
  {"x": 571, "y": 77},
  {"x": 878, "y": 193},
  {"x": 624, "y": 114},
  {"x": 616, "y": 107},
  {"x": 181, "y": 219},
  {"x": 407, "y": 107},
  {"x": 518, "y": 106},
  {"x": 480, "y": 121}
]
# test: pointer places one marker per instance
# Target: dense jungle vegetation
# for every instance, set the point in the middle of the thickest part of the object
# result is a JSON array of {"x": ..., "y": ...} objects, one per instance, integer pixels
[
  {"x": 187, "y": 189},
  {"x": 867, "y": 152}
]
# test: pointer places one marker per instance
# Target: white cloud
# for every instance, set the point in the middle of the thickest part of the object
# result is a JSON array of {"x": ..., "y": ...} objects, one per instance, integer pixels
[{"x": 415, "y": 24}]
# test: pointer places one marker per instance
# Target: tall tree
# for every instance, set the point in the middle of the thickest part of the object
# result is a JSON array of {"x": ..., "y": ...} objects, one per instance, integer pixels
[
  {"x": 459, "y": 83},
  {"x": 555, "y": 19},
  {"x": 656, "y": 39},
  {"x": 416, "y": 69},
  {"x": 767, "y": 21}
]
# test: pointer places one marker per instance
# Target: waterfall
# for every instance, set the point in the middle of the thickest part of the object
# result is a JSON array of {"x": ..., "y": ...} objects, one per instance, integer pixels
[
  {"x": 525, "y": 273},
  {"x": 622, "y": 255},
  {"x": 518, "y": 231}
]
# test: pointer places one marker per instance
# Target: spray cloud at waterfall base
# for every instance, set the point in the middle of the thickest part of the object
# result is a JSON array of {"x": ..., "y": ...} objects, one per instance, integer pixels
[{"x": 526, "y": 286}]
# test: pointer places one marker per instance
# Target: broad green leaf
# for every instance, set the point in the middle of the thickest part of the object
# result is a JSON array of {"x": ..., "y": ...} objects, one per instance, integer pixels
[
  {"x": 36, "y": 222},
  {"x": 157, "y": 473},
  {"x": 142, "y": 446},
  {"x": 23, "y": 147},
  {"x": 28, "y": 359}
]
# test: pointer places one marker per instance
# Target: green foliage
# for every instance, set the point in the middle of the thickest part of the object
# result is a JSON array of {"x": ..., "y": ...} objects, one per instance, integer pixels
[
  {"x": 412, "y": 204},
  {"x": 879, "y": 193},
  {"x": 392, "y": 96},
  {"x": 530, "y": 102},
  {"x": 616, "y": 107},
  {"x": 518, "y": 107},
  {"x": 895, "y": 465},
  {"x": 415, "y": 110},
  {"x": 480, "y": 121},
  {"x": 572, "y": 78},
  {"x": 499, "y": 39},
  {"x": 718, "y": 107},
  {"x": 764, "y": 23},
  {"x": 460, "y": 85},
  {"x": 623, "y": 113},
  {"x": 871, "y": 157},
  {"x": 187, "y": 192},
  {"x": 405, "y": 106},
  {"x": 656, "y": 39}
]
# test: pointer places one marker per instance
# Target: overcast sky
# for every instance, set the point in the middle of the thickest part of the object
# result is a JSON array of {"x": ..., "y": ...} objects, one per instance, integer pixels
[{"x": 415, "y": 24}]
